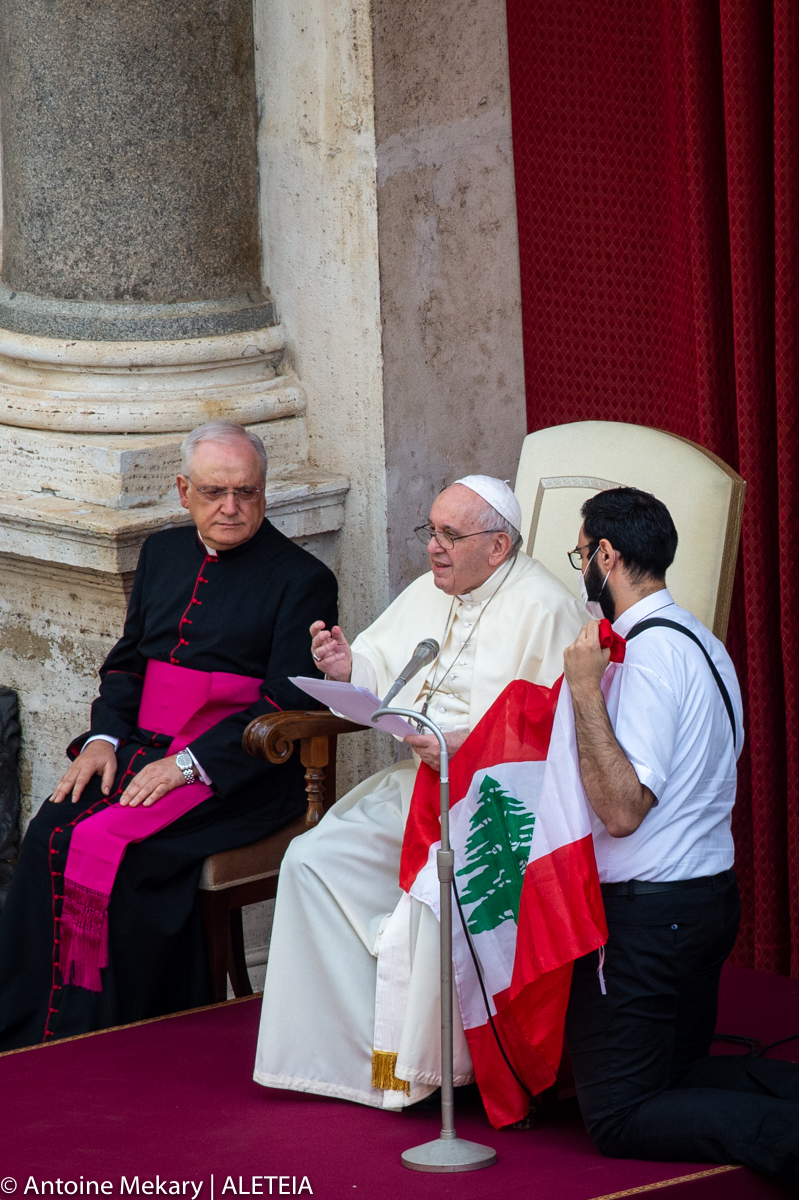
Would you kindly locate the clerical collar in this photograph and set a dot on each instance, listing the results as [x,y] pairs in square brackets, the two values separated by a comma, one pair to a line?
[486,590]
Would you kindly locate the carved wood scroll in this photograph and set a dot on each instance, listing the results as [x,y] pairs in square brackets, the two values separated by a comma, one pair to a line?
[272,737]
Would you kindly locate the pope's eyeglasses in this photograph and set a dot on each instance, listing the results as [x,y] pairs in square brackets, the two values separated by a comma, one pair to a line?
[447,540]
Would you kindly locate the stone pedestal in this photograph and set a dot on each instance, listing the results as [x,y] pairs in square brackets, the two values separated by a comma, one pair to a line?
[132,309]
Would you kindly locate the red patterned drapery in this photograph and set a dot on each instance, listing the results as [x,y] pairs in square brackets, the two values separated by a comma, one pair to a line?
[657,173]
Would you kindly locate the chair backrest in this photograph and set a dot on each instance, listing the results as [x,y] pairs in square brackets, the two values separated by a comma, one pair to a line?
[561,467]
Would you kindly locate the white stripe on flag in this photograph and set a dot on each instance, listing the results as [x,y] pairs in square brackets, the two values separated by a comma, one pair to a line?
[495,948]
[553,792]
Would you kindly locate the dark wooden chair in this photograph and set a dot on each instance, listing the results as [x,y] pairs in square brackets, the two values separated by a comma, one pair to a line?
[247,875]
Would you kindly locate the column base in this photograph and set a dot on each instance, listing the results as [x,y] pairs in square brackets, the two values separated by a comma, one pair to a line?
[102,422]
[96,537]
[122,471]
[153,387]
[95,320]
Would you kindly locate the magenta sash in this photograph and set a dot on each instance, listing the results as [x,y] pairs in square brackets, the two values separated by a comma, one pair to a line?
[175,701]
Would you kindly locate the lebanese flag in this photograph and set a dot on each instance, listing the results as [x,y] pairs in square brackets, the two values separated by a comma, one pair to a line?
[527,882]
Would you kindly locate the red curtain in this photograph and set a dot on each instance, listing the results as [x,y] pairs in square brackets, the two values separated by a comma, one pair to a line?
[657,170]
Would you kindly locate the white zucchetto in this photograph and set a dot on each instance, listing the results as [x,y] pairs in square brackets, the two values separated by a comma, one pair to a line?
[496,493]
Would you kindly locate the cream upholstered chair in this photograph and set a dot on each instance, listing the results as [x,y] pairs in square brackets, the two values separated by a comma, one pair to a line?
[559,468]
[562,466]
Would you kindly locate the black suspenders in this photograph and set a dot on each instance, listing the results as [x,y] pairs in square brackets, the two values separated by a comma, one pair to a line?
[651,622]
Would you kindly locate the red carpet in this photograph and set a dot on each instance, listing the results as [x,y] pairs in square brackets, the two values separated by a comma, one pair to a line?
[173,1100]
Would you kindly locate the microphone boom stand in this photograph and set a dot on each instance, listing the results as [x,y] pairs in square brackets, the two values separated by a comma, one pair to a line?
[449,1152]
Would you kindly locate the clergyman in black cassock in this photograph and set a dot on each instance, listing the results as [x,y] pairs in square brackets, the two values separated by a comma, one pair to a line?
[244,611]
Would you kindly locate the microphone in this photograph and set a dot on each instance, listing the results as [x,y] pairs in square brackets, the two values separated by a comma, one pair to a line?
[424,653]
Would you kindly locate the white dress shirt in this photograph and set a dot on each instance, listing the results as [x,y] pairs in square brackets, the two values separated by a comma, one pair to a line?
[670,720]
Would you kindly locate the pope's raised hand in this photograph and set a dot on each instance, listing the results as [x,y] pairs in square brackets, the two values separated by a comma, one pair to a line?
[331,652]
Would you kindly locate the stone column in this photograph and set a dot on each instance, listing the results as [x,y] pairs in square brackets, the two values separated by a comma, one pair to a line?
[130,198]
[131,310]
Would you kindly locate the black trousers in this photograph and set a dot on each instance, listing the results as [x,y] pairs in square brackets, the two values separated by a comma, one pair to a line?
[646,1084]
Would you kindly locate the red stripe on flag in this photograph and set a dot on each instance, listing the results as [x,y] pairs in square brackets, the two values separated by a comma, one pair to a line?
[504,1100]
[561,918]
[516,728]
[561,914]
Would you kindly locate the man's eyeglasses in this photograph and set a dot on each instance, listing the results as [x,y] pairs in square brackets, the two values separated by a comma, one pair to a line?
[447,540]
[212,495]
[575,557]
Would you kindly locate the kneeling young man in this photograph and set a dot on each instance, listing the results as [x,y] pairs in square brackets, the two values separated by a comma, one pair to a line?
[351,998]
[658,737]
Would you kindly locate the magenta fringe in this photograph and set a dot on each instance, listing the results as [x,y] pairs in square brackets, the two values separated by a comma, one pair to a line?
[84,936]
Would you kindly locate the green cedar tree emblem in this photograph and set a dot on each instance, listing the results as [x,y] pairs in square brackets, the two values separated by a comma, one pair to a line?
[497,849]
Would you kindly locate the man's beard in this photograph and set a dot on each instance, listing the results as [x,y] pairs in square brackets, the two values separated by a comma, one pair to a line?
[597,589]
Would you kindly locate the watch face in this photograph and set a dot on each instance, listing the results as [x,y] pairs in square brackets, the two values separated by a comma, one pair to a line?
[183,759]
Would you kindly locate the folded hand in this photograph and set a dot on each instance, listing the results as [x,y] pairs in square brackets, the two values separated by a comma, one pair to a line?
[98,758]
[426,745]
[153,782]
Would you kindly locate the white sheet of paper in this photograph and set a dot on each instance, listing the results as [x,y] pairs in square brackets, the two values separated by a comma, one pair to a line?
[355,703]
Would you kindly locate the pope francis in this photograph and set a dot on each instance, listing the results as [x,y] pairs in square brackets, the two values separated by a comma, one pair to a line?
[351,998]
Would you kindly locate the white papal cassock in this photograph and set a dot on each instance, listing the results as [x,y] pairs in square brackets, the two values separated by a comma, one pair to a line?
[353,962]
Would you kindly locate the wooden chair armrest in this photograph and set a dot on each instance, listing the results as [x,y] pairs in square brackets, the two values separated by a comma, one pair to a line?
[272,737]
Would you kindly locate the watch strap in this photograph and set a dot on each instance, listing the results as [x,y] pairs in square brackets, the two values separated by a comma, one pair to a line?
[186,765]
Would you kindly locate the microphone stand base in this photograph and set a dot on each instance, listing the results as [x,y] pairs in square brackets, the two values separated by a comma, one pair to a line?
[449,1156]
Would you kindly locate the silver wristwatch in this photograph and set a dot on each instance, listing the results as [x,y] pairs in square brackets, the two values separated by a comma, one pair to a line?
[186,763]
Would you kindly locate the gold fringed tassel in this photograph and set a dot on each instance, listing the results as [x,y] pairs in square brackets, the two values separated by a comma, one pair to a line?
[383,1066]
